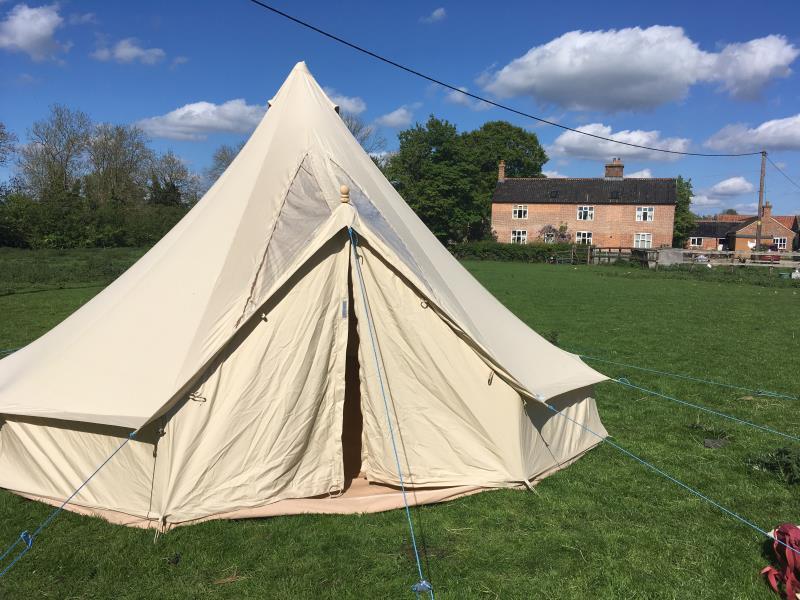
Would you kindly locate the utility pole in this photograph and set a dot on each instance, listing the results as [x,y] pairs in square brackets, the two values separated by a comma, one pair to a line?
[761,199]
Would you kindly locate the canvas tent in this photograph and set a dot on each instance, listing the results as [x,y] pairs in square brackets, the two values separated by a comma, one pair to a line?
[238,349]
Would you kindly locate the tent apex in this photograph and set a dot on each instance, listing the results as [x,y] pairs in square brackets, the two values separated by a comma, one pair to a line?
[302,67]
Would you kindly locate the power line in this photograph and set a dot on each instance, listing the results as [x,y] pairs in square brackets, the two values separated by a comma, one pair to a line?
[393,63]
[792,181]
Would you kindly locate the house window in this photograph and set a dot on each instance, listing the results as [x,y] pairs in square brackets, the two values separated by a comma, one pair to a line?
[583,237]
[614,195]
[780,242]
[695,242]
[586,213]
[645,213]
[554,194]
[519,236]
[549,237]
[520,211]
[643,240]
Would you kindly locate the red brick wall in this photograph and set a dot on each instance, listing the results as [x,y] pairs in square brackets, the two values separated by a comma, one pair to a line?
[614,225]
[770,228]
[709,243]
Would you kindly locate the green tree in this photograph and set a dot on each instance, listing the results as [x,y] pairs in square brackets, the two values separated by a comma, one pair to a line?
[684,218]
[55,156]
[730,211]
[7,143]
[118,161]
[221,159]
[448,178]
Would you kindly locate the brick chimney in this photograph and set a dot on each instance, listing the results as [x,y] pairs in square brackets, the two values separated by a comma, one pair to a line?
[614,169]
[501,171]
[766,210]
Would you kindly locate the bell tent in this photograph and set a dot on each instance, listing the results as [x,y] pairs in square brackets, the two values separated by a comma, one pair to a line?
[269,348]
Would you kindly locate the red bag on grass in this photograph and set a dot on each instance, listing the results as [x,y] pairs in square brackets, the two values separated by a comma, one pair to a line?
[787,574]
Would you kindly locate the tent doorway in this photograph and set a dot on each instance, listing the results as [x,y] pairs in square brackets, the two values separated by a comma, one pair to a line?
[352,418]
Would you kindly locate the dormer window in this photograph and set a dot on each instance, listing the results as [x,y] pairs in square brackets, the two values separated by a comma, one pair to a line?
[553,194]
[614,195]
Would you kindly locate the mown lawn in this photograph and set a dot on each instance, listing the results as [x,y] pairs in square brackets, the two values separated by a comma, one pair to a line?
[604,528]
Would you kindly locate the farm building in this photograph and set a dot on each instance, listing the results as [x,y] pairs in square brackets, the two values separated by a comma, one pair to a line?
[608,212]
[738,232]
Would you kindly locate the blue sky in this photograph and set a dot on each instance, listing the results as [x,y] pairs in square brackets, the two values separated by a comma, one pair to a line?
[701,76]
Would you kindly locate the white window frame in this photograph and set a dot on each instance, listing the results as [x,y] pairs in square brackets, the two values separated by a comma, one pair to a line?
[586,213]
[519,211]
[519,236]
[643,240]
[695,242]
[646,214]
[583,237]
[780,242]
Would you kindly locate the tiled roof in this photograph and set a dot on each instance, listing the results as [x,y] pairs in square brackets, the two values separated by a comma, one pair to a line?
[721,225]
[732,218]
[713,229]
[543,190]
[786,220]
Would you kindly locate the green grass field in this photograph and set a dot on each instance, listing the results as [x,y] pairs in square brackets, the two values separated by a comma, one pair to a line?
[604,528]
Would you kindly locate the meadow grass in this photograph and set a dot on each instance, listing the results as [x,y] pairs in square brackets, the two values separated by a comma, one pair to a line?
[603,528]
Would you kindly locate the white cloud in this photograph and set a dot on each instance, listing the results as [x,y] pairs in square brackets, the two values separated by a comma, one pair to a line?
[179,60]
[129,51]
[643,174]
[195,121]
[400,117]
[703,201]
[350,104]
[553,174]
[744,69]
[577,145]
[733,186]
[32,31]
[721,193]
[82,19]
[635,68]
[454,97]
[437,15]
[747,207]
[777,134]
[25,79]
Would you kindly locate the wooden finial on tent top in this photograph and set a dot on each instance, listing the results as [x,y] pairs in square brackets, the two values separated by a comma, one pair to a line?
[345,191]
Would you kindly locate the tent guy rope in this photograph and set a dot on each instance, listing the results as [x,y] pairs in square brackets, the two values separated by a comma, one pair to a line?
[674,480]
[625,382]
[757,392]
[28,538]
[422,585]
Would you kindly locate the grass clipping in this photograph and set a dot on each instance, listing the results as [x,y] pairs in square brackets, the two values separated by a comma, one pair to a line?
[783,463]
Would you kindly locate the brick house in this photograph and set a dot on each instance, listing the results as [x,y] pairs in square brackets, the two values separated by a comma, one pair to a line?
[738,232]
[607,212]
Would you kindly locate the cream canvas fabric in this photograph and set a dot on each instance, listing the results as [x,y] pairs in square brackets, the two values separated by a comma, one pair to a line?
[228,347]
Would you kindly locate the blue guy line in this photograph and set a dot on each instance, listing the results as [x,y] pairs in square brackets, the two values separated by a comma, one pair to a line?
[765,393]
[422,585]
[28,538]
[676,481]
[626,383]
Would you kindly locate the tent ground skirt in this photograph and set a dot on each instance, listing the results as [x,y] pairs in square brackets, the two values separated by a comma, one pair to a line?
[360,497]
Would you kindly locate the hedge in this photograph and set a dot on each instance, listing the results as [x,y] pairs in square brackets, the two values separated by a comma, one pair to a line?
[508,252]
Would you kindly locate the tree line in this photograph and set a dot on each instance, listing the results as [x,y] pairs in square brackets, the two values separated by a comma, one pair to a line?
[78,183]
